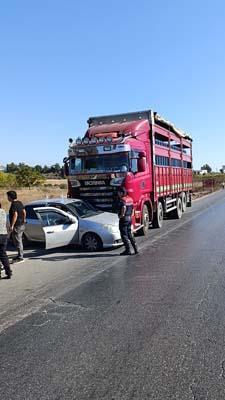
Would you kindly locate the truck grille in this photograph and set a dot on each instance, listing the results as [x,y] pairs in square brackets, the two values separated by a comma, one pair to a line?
[100,196]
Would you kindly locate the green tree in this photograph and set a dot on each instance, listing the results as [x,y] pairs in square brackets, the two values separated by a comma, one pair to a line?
[28,176]
[38,168]
[11,167]
[207,168]
[55,168]
[45,169]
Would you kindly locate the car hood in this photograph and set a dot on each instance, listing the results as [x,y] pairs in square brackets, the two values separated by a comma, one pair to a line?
[104,218]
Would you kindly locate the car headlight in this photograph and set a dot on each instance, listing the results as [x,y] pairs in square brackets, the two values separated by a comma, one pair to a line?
[117,181]
[112,228]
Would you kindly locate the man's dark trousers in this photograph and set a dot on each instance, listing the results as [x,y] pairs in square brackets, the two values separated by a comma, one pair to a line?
[126,235]
[17,237]
[3,256]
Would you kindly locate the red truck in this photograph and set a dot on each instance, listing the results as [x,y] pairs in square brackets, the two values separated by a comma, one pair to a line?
[140,151]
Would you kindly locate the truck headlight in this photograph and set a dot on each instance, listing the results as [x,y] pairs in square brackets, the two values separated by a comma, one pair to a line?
[75,183]
[117,181]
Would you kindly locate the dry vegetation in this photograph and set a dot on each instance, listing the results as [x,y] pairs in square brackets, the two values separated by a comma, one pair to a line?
[52,188]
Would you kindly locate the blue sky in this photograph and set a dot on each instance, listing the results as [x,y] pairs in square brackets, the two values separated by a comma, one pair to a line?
[64,60]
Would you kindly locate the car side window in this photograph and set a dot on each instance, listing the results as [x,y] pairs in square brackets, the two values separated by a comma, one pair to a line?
[52,218]
[30,213]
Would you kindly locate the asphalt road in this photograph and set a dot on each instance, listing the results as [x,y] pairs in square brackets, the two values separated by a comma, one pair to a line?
[82,326]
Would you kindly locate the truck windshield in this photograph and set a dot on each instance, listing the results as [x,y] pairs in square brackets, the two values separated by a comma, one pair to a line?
[118,162]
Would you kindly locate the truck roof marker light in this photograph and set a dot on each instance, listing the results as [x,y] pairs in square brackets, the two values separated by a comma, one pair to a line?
[93,140]
[101,140]
[78,141]
[85,140]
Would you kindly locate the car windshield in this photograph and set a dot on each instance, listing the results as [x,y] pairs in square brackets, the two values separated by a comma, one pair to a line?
[82,209]
[118,162]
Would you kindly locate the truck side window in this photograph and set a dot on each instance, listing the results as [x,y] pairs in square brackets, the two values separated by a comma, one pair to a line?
[134,161]
[134,165]
[76,164]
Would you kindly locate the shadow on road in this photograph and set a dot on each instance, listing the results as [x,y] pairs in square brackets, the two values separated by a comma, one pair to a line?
[38,252]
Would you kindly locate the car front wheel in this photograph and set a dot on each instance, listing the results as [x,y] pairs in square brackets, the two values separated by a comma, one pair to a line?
[91,242]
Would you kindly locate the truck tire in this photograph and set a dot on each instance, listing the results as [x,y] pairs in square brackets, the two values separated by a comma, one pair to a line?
[158,216]
[177,214]
[145,221]
[189,200]
[184,202]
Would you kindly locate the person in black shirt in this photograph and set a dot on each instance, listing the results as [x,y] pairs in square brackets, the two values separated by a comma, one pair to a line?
[17,218]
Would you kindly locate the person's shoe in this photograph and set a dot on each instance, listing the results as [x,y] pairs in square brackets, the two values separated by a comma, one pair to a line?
[17,260]
[126,253]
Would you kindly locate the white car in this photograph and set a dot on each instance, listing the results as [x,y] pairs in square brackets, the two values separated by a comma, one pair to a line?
[60,222]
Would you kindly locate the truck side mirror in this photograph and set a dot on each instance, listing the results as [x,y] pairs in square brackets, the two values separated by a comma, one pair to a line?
[66,169]
[142,154]
[142,164]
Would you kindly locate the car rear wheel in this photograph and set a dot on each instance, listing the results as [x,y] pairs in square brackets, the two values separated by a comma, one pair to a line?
[91,242]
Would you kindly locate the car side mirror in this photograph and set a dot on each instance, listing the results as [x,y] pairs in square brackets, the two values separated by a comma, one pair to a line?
[72,219]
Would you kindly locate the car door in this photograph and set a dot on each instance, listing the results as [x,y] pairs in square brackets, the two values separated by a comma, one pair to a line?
[33,227]
[60,228]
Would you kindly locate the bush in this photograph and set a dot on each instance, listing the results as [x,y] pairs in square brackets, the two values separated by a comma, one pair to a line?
[27,177]
[7,180]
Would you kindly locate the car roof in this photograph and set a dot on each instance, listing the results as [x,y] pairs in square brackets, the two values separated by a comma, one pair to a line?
[61,200]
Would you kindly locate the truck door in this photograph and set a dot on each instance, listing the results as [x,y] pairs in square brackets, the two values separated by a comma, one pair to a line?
[60,228]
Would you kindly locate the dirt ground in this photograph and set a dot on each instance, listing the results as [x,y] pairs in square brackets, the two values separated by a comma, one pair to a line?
[26,194]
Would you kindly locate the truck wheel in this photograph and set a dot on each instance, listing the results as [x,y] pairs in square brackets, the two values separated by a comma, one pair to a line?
[184,202]
[178,212]
[145,221]
[158,216]
[189,201]
[91,242]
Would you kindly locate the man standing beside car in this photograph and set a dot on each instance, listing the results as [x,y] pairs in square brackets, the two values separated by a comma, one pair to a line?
[17,219]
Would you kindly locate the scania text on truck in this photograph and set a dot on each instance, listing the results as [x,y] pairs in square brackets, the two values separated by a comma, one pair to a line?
[140,151]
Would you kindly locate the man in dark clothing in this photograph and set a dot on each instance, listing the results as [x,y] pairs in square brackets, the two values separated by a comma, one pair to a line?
[17,217]
[125,211]
[3,244]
